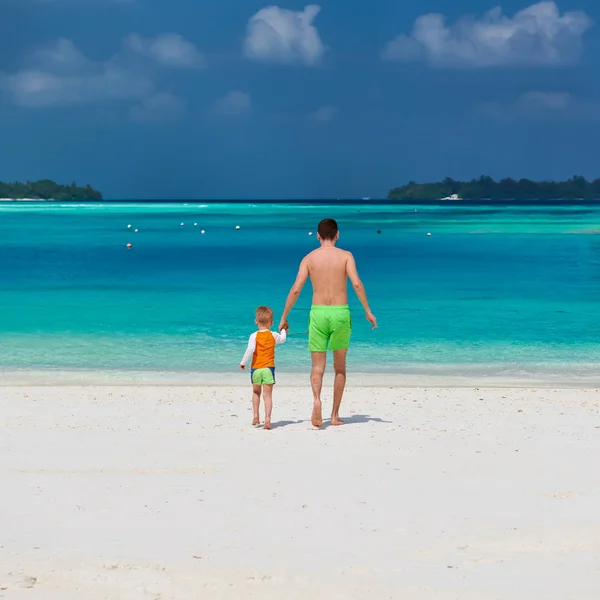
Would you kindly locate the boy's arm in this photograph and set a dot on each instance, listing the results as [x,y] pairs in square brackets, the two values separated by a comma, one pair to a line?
[359,288]
[280,337]
[295,291]
[249,351]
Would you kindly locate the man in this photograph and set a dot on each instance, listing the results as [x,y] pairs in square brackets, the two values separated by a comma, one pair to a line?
[330,324]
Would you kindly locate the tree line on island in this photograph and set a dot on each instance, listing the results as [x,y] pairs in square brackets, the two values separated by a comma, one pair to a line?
[46,189]
[505,189]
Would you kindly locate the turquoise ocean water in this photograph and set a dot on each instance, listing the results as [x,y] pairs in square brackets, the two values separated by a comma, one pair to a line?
[512,289]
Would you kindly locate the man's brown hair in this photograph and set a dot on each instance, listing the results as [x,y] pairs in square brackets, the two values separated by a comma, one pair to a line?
[328,229]
[264,315]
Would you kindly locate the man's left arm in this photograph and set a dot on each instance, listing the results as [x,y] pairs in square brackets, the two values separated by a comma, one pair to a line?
[359,288]
[294,292]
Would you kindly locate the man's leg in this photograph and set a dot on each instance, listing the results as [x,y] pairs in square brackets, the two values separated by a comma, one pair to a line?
[319,360]
[255,403]
[339,366]
[268,398]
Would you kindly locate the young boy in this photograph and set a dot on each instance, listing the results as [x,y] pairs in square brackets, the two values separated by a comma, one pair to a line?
[261,347]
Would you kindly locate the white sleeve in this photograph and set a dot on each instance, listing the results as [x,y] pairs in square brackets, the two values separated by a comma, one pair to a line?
[249,350]
[280,337]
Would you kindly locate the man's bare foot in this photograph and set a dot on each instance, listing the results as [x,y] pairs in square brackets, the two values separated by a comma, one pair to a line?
[267,424]
[317,414]
[256,421]
[336,421]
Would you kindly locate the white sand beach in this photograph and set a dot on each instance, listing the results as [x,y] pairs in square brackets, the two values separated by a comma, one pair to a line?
[160,492]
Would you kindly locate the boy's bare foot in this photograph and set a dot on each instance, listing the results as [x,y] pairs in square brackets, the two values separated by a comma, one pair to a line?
[267,424]
[256,421]
[317,414]
[336,421]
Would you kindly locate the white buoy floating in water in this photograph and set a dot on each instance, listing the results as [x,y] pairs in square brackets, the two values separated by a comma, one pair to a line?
[428,235]
[182,224]
[203,232]
[195,224]
[237,227]
[136,230]
[128,226]
[310,233]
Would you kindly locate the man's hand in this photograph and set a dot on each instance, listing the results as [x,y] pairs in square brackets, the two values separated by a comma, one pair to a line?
[284,325]
[242,367]
[372,319]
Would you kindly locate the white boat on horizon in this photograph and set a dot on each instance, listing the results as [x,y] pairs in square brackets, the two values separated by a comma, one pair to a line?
[452,197]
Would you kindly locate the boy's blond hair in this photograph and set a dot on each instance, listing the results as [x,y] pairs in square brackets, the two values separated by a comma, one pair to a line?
[264,315]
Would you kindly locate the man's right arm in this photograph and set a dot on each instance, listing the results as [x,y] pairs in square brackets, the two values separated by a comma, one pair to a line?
[359,288]
[295,292]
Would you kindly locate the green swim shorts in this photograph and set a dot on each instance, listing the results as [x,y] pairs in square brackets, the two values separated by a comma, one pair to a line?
[329,326]
[263,376]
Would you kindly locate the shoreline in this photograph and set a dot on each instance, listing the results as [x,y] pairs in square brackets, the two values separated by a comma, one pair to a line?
[588,378]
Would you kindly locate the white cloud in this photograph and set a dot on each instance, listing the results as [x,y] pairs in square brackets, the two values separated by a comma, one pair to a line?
[233,104]
[536,36]
[161,108]
[284,36]
[61,75]
[544,101]
[64,55]
[65,77]
[169,50]
[543,105]
[323,114]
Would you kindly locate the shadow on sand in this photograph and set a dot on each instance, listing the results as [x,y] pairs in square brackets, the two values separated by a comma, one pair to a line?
[280,424]
[357,419]
[351,420]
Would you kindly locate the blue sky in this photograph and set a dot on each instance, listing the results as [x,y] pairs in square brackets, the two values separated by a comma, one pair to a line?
[240,98]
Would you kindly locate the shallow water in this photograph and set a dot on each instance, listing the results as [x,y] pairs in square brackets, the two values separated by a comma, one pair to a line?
[514,288]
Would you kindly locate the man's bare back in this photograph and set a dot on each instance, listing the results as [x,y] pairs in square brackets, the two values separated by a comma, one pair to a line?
[330,323]
[327,269]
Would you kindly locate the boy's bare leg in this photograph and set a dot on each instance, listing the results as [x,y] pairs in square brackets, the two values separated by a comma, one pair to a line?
[319,360]
[268,398]
[255,404]
[339,366]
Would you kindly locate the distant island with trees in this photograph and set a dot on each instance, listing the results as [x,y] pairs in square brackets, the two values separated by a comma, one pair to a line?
[485,188]
[482,188]
[46,189]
